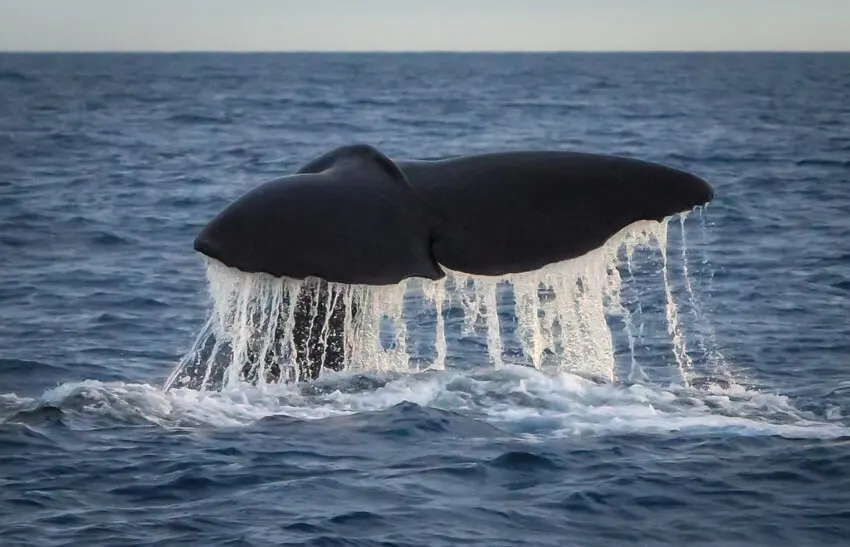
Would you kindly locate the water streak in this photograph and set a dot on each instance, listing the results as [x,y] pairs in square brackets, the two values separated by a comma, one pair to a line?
[562,313]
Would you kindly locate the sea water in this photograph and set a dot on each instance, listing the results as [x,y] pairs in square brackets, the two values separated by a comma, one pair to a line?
[724,420]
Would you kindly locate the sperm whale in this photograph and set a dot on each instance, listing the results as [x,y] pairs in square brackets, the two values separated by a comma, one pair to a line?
[355,216]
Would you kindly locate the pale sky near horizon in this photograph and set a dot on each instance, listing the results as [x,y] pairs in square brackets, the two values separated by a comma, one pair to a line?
[551,25]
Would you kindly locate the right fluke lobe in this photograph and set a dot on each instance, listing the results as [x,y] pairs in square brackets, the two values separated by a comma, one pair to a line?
[513,212]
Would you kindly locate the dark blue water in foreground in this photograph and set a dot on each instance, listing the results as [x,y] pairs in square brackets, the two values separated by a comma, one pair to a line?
[110,164]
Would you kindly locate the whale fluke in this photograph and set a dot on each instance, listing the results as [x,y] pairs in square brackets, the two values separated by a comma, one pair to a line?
[355,216]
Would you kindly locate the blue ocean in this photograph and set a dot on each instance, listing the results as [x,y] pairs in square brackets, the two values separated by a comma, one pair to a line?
[726,419]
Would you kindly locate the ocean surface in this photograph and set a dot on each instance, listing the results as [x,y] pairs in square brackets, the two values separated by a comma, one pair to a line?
[110,164]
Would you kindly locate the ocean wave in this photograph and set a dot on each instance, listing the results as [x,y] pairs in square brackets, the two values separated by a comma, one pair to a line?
[824,162]
[516,402]
[199,119]
[15,76]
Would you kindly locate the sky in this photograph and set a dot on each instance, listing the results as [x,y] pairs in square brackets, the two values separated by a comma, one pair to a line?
[416,25]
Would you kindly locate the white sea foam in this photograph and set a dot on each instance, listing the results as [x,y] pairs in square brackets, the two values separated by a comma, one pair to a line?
[521,401]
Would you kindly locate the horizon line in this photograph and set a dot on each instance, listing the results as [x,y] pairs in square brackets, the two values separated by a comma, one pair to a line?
[413,51]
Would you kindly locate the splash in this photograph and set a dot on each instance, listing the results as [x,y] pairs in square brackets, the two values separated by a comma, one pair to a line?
[520,401]
[257,325]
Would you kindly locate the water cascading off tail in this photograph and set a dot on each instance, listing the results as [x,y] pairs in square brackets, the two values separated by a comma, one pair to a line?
[560,314]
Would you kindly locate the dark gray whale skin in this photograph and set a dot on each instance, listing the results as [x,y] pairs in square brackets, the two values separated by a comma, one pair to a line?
[501,213]
[355,216]
[348,217]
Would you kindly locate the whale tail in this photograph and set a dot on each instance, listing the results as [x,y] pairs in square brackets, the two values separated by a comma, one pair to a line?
[356,217]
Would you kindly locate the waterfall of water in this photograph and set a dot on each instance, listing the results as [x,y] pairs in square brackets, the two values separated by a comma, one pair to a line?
[561,314]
